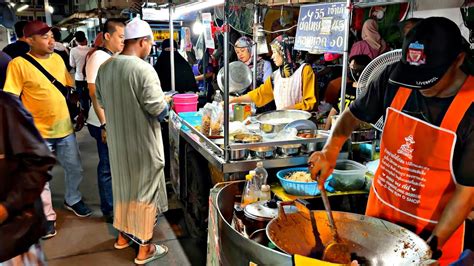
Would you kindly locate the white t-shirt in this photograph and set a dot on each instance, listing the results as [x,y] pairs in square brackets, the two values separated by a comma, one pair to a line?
[92,67]
[77,58]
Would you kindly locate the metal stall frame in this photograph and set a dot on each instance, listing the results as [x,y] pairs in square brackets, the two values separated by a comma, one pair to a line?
[221,157]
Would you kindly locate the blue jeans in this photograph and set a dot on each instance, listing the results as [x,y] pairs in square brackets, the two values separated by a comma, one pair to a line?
[104,176]
[67,154]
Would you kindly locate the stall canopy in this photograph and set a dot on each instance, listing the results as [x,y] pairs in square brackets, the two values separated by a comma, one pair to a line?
[304,2]
[77,18]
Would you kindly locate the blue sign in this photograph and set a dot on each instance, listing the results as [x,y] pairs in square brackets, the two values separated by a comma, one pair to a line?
[321,28]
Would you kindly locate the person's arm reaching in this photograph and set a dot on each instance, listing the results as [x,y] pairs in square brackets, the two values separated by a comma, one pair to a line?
[152,97]
[322,162]
[454,214]
[260,96]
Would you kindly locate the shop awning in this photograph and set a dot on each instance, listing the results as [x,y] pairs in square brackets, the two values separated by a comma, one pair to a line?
[78,17]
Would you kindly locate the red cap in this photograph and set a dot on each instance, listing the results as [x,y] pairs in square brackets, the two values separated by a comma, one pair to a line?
[36,27]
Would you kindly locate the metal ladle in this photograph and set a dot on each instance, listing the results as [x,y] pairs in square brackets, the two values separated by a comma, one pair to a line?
[335,251]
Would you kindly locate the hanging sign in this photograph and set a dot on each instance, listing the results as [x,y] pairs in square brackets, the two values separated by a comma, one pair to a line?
[206,22]
[321,28]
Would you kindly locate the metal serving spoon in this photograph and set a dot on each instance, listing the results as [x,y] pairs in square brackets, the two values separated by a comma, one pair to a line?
[336,251]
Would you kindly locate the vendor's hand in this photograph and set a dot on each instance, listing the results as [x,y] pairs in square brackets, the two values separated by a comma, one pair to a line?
[321,164]
[103,134]
[433,244]
[3,214]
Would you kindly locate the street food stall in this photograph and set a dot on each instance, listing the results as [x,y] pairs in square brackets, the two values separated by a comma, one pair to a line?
[200,160]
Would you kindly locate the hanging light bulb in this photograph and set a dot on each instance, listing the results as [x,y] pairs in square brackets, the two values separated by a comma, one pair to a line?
[198,28]
[261,40]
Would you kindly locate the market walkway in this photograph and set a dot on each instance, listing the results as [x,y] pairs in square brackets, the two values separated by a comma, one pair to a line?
[89,241]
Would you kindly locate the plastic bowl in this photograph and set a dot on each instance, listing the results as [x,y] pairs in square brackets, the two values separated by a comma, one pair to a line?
[185,107]
[185,98]
[300,188]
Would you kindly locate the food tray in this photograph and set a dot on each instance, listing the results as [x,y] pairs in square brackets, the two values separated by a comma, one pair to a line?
[300,188]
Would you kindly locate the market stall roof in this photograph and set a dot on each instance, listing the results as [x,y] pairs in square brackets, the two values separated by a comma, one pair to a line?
[77,18]
[305,2]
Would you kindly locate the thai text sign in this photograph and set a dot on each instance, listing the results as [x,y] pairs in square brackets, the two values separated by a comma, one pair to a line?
[321,28]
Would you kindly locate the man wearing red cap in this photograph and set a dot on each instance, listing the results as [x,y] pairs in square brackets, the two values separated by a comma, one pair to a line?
[425,180]
[50,113]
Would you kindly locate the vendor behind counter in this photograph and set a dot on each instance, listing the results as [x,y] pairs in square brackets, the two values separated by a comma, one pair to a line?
[291,86]
[357,64]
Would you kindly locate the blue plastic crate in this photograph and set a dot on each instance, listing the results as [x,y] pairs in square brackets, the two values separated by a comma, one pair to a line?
[193,118]
[300,188]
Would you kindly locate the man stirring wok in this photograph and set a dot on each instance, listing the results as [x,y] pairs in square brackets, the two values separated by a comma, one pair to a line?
[425,179]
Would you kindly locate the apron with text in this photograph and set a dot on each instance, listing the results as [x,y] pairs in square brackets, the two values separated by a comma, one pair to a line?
[415,179]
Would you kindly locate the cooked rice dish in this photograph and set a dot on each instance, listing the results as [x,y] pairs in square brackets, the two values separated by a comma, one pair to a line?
[300,176]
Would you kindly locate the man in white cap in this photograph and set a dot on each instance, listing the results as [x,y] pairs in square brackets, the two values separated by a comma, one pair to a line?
[129,90]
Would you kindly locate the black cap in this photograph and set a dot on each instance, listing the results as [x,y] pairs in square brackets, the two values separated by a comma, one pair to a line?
[429,49]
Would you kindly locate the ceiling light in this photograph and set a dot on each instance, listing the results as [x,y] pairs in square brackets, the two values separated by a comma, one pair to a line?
[50,9]
[22,8]
[198,28]
[187,8]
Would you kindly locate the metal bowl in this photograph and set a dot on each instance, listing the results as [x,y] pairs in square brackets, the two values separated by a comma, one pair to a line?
[235,154]
[275,121]
[371,241]
[238,154]
[310,146]
[247,138]
[289,150]
[263,152]
[240,77]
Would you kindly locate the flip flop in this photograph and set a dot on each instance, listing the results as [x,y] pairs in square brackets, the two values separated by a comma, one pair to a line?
[117,246]
[156,255]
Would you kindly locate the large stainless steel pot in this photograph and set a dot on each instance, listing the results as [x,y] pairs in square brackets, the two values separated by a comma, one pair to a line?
[275,121]
[233,248]
[371,241]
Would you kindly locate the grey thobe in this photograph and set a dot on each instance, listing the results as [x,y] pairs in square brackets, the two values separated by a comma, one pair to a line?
[129,90]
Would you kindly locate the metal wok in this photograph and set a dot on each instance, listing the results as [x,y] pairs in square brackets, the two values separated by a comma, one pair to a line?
[240,77]
[275,121]
[371,241]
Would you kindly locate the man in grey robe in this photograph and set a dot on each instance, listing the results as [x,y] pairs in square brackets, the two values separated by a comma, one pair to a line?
[129,90]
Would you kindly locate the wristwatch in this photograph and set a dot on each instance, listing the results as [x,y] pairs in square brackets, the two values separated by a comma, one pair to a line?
[102,126]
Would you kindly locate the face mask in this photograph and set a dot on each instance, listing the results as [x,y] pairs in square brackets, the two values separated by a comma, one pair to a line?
[355,74]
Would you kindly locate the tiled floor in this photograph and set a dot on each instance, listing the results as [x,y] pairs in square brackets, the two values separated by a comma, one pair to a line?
[89,241]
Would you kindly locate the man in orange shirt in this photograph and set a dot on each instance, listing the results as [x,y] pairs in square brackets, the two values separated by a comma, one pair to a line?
[50,114]
[425,180]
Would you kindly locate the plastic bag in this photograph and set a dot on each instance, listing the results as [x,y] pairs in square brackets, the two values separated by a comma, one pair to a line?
[206,120]
[212,119]
[217,119]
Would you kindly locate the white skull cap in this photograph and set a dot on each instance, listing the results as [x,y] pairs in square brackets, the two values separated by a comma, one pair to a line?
[137,28]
